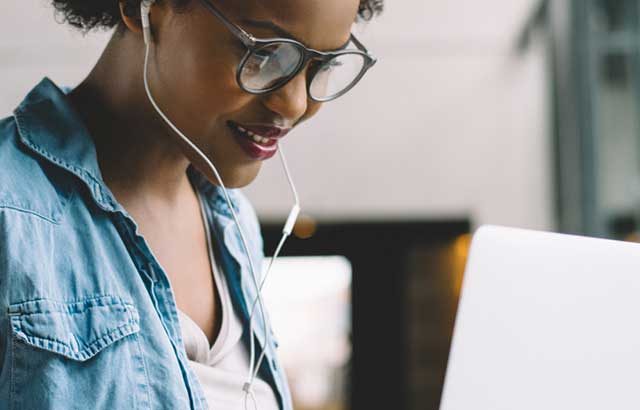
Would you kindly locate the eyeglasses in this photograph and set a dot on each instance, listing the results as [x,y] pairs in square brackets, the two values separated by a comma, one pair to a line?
[269,64]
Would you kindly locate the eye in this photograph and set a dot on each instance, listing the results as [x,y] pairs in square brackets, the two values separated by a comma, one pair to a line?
[262,53]
[329,65]
[258,59]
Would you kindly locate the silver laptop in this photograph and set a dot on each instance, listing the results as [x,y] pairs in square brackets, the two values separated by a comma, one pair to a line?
[546,322]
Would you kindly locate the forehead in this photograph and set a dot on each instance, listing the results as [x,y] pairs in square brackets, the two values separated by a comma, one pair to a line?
[320,24]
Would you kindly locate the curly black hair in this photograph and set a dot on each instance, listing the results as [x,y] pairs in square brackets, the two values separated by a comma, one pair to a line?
[87,15]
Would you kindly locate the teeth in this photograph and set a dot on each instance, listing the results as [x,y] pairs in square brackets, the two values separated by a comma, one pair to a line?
[260,139]
[257,138]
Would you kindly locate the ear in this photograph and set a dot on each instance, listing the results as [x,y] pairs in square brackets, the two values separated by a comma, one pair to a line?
[130,15]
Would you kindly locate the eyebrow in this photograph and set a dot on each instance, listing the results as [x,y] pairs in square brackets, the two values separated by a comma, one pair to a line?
[269,25]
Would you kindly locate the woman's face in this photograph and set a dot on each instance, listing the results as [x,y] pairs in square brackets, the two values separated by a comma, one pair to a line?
[192,72]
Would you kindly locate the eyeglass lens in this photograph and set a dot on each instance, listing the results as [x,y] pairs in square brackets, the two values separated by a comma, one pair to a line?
[336,75]
[270,66]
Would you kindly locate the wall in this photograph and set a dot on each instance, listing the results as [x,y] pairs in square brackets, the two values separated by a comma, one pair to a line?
[449,123]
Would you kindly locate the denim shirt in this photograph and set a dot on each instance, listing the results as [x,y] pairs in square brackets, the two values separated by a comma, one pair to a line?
[88,319]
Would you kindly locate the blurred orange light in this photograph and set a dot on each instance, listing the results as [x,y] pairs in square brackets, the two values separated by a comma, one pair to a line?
[461,246]
[632,237]
[305,227]
[460,252]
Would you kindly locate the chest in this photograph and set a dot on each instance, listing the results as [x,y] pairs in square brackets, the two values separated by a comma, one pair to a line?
[183,252]
[194,287]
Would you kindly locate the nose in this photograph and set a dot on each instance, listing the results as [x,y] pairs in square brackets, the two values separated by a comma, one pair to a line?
[290,101]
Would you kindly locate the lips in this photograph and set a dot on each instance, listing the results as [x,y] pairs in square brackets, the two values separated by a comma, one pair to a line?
[258,141]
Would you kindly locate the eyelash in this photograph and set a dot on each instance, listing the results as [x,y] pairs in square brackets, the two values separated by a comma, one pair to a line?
[330,64]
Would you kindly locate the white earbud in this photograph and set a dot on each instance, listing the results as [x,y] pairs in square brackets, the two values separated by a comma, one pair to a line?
[145,9]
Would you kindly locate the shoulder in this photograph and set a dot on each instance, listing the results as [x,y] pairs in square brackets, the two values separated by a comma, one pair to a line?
[29,183]
[31,203]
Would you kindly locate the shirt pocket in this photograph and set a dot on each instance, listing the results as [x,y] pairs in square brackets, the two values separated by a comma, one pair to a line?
[80,354]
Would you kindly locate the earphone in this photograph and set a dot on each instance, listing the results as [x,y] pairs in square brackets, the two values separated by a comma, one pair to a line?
[254,366]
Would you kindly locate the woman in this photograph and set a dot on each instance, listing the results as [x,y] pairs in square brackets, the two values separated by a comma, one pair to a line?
[124,280]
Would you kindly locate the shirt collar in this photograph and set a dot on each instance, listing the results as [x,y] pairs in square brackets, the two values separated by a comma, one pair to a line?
[53,129]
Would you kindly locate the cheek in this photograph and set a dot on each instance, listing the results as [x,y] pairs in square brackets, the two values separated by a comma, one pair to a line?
[206,79]
[199,91]
[200,72]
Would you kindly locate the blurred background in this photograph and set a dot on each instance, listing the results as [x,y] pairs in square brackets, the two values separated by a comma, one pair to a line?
[514,112]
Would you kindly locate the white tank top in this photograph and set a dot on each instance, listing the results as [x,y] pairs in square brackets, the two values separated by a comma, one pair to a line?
[222,368]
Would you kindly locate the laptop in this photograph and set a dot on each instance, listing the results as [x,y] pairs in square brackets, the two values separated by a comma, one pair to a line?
[546,322]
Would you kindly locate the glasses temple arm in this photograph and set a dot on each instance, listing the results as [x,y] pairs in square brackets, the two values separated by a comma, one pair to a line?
[246,38]
[358,43]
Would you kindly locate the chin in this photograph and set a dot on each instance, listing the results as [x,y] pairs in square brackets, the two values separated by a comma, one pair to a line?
[241,177]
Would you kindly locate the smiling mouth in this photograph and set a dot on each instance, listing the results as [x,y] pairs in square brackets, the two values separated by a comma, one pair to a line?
[258,139]
[254,145]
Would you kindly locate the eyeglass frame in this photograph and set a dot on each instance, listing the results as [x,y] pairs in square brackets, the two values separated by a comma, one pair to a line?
[253,44]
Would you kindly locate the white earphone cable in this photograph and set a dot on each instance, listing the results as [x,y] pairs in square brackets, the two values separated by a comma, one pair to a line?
[253,366]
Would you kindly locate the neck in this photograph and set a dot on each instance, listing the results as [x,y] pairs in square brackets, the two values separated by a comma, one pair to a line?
[139,157]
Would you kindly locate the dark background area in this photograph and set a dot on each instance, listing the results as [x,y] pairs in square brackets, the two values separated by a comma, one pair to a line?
[404,292]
